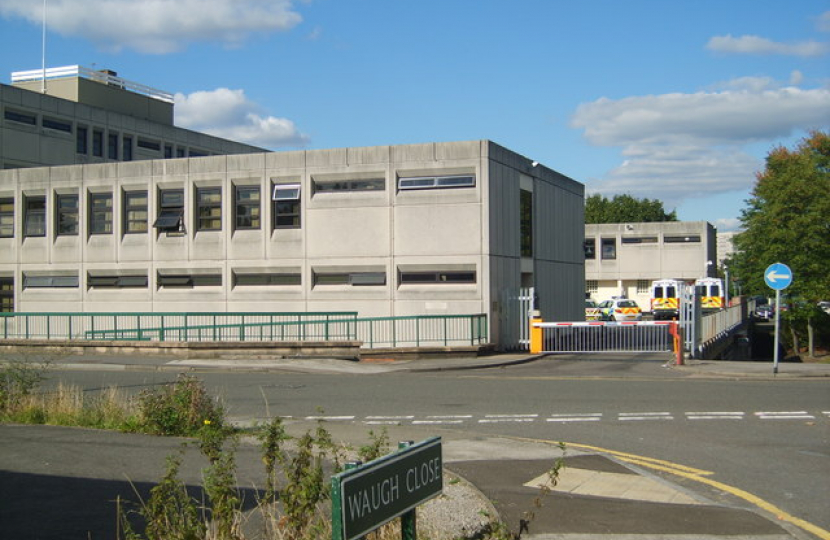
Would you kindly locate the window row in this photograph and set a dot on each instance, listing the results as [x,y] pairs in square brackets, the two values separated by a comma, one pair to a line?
[246,208]
[608,246]
[98,142]
[242,278]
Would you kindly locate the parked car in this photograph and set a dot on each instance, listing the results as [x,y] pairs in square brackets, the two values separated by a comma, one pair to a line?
[763,313]
[824,305]
[591,310]
[620,309]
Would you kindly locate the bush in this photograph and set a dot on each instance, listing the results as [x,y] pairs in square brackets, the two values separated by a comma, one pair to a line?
[181,408]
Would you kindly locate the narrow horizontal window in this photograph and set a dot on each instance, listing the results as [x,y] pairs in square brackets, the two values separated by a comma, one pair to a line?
[117,281]
[639,239]
[149,145]
[267,279]
[20,117]
[436,182]
[438,277]
[189,280]
[54,281]
[57,125]
[355,279]
[691,238]
[335,186]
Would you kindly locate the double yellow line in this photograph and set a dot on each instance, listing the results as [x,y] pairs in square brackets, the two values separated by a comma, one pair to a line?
[701,476]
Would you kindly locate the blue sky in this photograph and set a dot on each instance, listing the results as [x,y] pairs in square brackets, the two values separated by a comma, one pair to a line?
[679,101]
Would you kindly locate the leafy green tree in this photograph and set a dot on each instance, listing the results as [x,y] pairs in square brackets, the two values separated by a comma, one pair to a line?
[625,209]
[787,220]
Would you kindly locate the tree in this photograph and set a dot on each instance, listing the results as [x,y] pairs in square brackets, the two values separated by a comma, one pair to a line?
[625,209]
[787,220]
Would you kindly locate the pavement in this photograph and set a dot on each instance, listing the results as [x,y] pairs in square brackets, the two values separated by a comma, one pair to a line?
[58,483]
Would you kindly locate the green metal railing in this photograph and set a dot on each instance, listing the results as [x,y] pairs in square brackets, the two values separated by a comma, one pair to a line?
[377,332]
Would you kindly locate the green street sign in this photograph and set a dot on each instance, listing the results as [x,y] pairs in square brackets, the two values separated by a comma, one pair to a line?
[368,496]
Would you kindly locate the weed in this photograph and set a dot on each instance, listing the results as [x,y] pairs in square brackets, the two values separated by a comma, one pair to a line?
[181,408]
[18,378]
[272,437]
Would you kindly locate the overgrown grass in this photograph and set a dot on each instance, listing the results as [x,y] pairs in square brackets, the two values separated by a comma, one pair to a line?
[296,501]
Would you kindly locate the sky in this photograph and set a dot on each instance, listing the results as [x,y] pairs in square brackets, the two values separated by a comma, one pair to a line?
[677,101]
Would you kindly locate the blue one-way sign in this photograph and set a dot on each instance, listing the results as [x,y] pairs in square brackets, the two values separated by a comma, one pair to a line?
[778,276]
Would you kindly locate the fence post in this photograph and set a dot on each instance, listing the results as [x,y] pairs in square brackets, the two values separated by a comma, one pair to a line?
[535,333]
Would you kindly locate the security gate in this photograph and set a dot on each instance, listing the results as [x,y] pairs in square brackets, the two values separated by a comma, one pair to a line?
[618,337]
[514,319]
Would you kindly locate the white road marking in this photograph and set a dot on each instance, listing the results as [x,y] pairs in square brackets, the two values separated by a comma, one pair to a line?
[503,418]
[785,415]
[386,420]
[576,417]
[646,416]
[436,422]
[330,418]
[733,415]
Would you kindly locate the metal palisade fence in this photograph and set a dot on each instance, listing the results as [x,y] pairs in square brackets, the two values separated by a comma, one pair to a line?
[408,331]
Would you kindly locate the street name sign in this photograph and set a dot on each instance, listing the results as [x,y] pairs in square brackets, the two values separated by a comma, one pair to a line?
[778,276]
[366,497]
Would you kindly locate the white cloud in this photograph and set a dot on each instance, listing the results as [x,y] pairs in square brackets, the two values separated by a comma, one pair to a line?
[682,146]
[759,45]
[824,21]
[157,26]
[229,114]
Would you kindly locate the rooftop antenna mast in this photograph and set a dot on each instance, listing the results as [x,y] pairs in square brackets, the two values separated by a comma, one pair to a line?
[43,58]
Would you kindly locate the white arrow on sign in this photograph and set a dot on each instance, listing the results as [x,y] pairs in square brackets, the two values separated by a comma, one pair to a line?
[775,276]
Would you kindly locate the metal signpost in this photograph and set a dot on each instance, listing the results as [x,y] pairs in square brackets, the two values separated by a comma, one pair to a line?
[367,496]
[778,277]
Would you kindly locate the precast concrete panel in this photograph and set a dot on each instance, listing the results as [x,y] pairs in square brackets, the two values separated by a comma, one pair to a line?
[348,232]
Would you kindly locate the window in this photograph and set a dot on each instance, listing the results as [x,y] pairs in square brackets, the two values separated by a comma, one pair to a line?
[81,144]
[49,281]
[6,218]
[350,278]
[639,239]
[590,247]
[689,238]
[171,210]
[266,278]
[67,215]
[609,248]
[434,182]
[179,152]
[462,276]
[187,281]
[20,117]
[116,281]
[34,223]
[97,143]
[643,286]
[168,151]
[592,286]
[334,186]
[247,207]
[526,224]
[112,146]
[57,125]
[209,209]
[286,206]
[100,213]
[135,211]
[127,148]
[6,295]
[149,145]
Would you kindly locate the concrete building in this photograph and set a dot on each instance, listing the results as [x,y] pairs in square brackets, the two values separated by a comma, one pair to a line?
[622,259]
[77,115]
[435,228]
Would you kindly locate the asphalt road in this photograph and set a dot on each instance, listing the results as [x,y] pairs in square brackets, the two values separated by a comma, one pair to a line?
[767,437]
